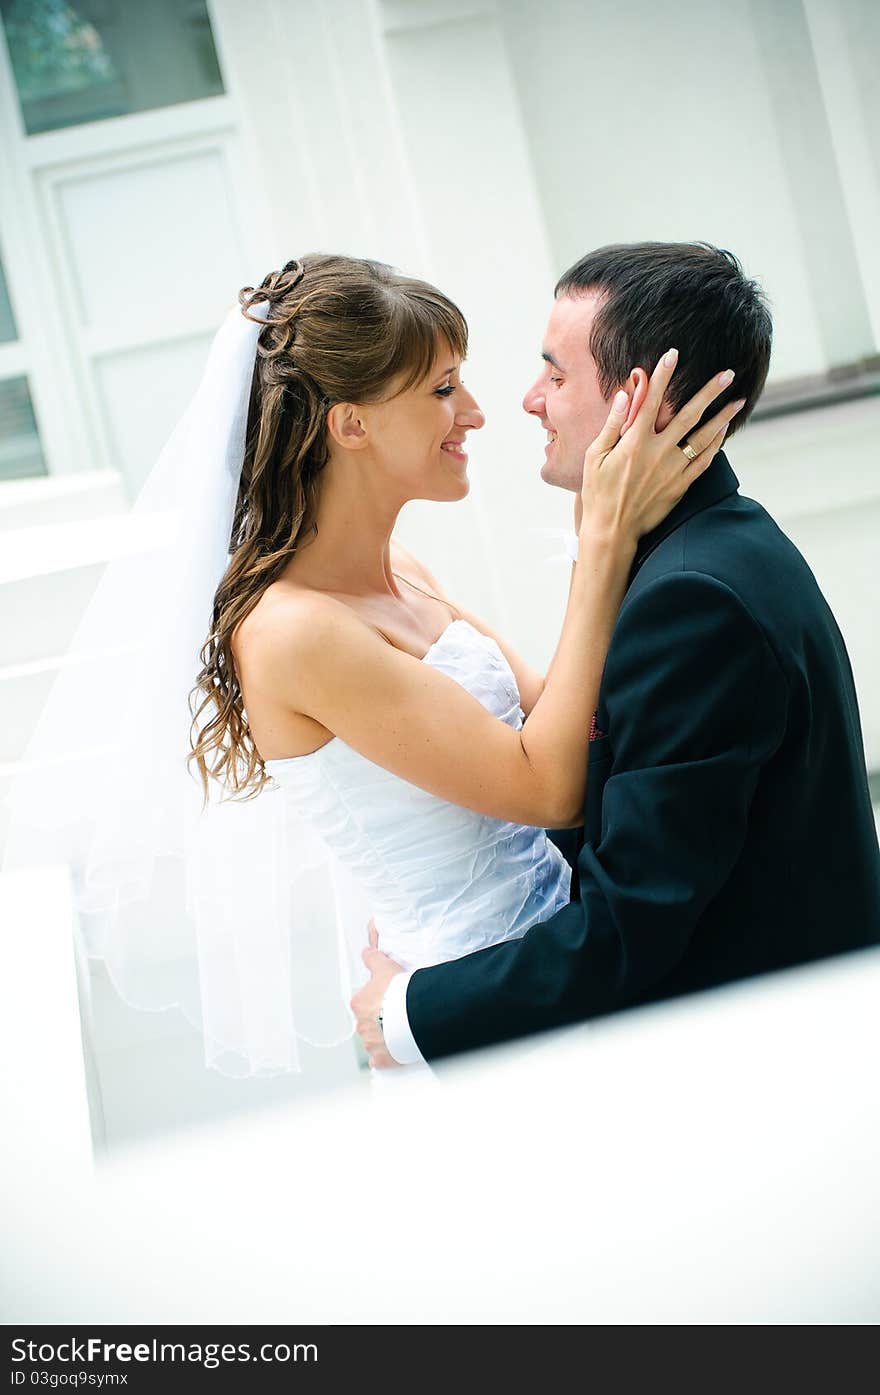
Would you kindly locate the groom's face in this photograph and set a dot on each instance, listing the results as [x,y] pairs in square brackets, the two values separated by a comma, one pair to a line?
[565,397]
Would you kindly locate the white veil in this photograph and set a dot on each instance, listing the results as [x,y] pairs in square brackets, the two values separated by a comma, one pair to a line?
[238,915]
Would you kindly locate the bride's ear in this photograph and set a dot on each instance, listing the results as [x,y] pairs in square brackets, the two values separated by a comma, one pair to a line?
[636,388]
[346,427]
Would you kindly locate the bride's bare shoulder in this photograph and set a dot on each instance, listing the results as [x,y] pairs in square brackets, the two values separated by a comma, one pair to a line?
[287,618]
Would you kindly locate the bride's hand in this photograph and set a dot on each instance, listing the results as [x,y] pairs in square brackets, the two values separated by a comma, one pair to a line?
[632,482]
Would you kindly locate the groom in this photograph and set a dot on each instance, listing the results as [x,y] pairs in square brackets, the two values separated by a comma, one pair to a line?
[728,828]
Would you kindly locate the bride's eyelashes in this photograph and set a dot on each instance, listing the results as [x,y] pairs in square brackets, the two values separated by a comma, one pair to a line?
[444,391]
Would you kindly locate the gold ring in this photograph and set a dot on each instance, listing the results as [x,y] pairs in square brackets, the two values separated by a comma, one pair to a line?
[689,452]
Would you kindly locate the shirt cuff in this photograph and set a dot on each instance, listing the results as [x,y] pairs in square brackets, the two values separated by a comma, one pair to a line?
[395,1023]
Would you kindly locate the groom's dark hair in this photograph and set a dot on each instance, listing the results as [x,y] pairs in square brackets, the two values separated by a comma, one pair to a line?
[689,296]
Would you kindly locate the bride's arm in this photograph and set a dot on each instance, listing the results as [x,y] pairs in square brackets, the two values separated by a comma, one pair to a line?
[411,719]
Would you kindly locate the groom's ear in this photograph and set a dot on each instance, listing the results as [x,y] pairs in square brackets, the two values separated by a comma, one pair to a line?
[636,387]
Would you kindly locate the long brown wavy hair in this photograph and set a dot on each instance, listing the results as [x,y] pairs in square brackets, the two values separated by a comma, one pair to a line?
[338,330]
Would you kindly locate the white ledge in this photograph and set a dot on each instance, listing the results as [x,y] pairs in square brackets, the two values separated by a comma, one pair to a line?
[60,547]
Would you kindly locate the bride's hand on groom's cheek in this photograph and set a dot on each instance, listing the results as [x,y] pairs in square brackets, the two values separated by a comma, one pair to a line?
[367,1002]
[631,482]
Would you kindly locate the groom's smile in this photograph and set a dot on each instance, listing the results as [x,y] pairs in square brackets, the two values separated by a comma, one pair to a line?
[566,397]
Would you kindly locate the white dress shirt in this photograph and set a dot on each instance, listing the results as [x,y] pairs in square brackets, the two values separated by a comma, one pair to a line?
[395,1024]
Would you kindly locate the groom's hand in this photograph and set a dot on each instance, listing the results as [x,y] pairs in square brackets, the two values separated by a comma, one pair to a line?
[367,1002]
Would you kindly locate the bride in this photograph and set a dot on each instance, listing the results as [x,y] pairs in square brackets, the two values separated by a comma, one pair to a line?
[410,738]
[405,760]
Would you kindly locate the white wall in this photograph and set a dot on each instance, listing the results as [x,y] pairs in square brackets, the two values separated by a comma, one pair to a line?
[817,474]
[708,126]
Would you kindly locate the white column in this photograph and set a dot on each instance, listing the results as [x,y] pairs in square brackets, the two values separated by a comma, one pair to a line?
[846,42]
[469,162]
[814,178]
[320,126]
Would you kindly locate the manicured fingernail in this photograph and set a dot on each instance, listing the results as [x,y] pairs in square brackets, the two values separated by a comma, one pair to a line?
[738,405]
[620,401]
[670,357]
[726,378]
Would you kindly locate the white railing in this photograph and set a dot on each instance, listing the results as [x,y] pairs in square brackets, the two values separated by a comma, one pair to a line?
[713,1160]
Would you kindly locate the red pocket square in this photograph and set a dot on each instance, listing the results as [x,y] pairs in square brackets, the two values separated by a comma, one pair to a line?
[595,733]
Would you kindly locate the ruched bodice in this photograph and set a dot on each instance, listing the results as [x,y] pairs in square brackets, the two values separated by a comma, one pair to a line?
[442,881]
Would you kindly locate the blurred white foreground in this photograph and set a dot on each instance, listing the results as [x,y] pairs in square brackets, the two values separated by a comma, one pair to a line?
[711,1161]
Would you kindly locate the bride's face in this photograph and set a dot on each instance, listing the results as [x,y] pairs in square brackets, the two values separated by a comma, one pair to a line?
[418,440]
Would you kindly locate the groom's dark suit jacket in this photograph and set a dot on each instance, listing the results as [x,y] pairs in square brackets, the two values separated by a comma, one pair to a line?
[728,827]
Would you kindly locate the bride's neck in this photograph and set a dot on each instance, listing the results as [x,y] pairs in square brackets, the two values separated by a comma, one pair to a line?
[350,550]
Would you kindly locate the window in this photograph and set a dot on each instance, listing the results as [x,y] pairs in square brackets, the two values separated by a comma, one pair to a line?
[74,183]
[20,450]
[94,59]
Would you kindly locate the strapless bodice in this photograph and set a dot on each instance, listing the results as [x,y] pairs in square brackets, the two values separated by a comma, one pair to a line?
[442,881]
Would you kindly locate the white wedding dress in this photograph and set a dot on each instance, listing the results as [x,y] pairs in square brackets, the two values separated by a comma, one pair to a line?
[441,881]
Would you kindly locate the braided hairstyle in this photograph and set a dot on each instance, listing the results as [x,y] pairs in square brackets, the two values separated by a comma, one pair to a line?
[339,329]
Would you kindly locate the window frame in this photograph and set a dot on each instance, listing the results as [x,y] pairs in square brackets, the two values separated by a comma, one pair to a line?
[52,352]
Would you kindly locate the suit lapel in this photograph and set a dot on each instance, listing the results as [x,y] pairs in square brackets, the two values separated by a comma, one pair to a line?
[715,484]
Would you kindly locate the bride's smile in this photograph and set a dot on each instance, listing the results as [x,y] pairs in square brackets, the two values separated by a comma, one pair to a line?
[411,444]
